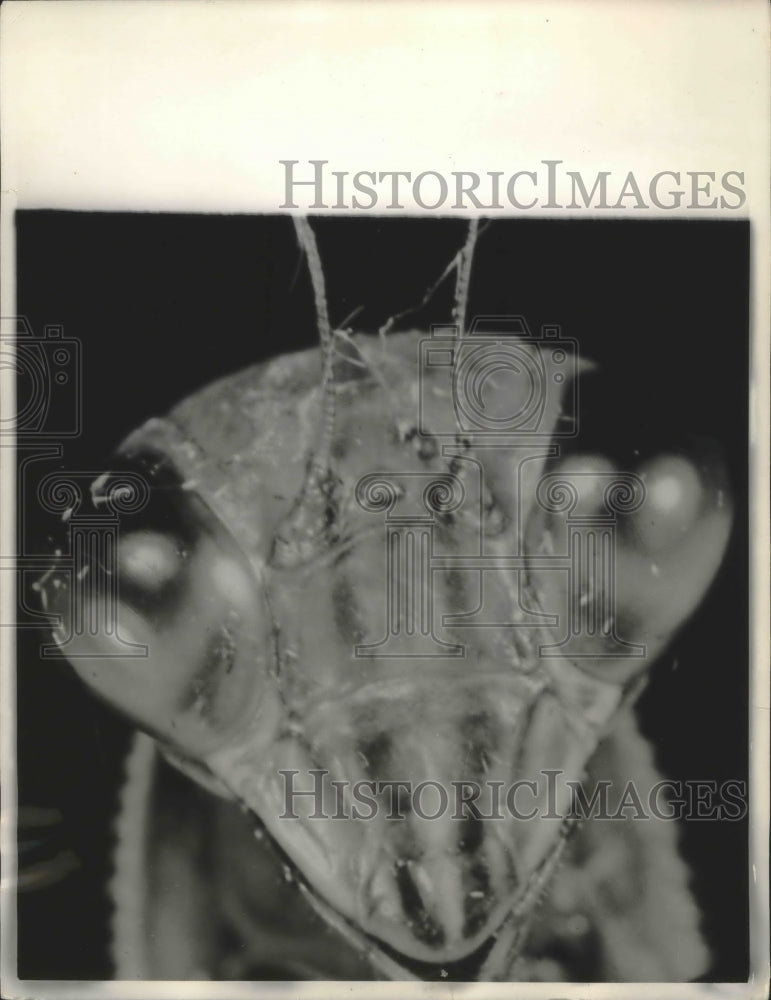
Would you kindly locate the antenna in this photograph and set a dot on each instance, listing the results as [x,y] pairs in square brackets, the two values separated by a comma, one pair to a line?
[304,531]
[307,240]
[464,259]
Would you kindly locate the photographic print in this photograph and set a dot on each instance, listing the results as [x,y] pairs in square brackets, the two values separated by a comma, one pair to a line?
[383,568]
[380,715]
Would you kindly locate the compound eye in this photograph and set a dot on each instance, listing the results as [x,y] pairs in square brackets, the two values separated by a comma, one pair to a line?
[674,499]
[163,616]
[149,561]
[630,554]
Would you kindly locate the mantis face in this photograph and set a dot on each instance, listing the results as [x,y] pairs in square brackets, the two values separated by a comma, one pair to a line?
[317,617]
[287,651]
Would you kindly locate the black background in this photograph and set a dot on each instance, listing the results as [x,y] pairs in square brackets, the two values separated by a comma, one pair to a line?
[162,304]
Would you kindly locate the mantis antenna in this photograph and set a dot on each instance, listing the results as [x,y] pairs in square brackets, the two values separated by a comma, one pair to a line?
[305,530]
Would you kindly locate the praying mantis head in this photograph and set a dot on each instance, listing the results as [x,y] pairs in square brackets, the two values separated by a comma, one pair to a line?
[384,565]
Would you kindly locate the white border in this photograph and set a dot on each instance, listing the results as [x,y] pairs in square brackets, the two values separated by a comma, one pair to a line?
[189,106]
